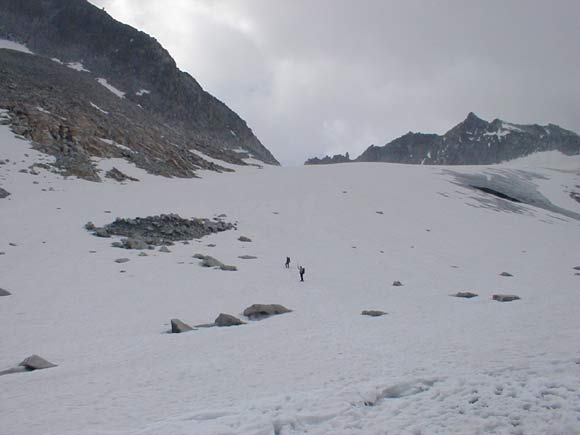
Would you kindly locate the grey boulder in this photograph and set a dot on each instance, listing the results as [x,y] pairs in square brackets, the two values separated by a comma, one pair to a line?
[507,274]
[177,326]
[227,320]
[505,298]
[247,257]
[4,193]
[244,239]
[397,283]
[35,362]
[258,311]
[121,260]
[4,292]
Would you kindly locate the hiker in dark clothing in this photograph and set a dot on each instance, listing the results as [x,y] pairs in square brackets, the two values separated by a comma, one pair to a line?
[287,262]
[301,271]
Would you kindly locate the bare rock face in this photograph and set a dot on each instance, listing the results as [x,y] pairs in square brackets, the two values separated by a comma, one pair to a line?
[227,320]
[258,311]
[505,298]
[35,362]
[177,326]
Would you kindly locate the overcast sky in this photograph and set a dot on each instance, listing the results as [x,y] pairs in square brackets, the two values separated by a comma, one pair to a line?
[315,77]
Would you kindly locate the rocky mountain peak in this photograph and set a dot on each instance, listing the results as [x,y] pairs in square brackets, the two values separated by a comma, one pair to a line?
[107,83]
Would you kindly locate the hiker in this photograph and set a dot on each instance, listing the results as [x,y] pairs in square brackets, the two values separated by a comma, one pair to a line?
[301,271]
[287,263]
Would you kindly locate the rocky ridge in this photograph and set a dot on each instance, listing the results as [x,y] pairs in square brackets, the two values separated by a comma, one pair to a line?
[471,142]
[99,88]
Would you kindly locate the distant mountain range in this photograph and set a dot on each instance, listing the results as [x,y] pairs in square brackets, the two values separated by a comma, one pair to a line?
[97,87]
[471,142]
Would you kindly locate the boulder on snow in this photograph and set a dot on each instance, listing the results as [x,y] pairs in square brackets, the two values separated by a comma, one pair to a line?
[101,232]
[209,261]
[121,260]
[373,313]
[228,267]
[467,295]
[35,362]
[177,326]
[227,320]
[164,249]
[576,268]
[247,257]
[397,283]
[4,292]
[505,274]
[505,298]
[4,193]
[90,226]
[258,311]
[244,239]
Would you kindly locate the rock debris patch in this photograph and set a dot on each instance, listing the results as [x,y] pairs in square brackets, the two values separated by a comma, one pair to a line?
[209,261]
[159,230]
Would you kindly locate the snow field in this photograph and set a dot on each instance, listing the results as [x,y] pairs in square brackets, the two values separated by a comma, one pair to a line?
[433,365]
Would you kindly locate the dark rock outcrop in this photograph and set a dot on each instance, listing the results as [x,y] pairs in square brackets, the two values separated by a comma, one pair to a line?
[159,114]
[4,193]
[4,292]
[117,175]
[326,160]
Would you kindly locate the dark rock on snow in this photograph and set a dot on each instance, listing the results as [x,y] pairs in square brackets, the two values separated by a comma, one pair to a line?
[258,311]
[3,193]
[117,175]
[244,239]
[4,292]
[122,260]
[397,283]
[373,313]
[247,257]
[467,295]
[505,274]
[227,320]
[177,326]
[505,298]
[35,362]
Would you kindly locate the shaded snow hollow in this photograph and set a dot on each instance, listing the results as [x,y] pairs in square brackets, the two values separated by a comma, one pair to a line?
[434,364]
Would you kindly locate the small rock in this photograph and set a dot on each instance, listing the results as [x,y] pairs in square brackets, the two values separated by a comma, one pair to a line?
[397,283]
[4,193]
[227,267]
[35,182]
[576,268]
[107,211]
[505,274]
[4,292]
[12,244]
[35,362]
[247,257]
[227,320]
[143,254]
[211,245]
[373,313]
[258,311]
[90,226]
[467,295]
[164,249]
[92,252]
[122,260]
[379,212]
[244,239]
[199,256]
[505,298]
[209,261]
[177,326]
[117,245]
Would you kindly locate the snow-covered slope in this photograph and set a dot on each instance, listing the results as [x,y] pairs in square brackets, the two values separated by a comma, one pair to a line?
[434,365]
